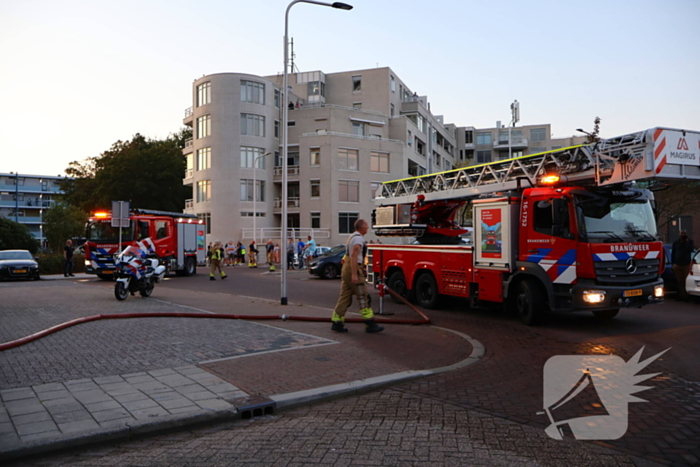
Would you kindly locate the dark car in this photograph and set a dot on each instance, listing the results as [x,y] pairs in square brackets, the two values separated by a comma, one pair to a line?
[670,282]
[18,264]
[328,265]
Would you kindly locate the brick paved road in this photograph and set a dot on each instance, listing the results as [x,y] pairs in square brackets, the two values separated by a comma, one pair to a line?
[387,428]
[113,347]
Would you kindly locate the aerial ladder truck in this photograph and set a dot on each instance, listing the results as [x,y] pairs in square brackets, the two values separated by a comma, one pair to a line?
[571,229]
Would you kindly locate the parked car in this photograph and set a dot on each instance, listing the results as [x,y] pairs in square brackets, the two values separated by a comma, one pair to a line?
[670,282]
[692,283]
[18,264]
[329,264]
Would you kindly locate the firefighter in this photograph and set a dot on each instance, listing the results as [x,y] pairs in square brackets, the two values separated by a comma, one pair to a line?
[217,255]
[353,276]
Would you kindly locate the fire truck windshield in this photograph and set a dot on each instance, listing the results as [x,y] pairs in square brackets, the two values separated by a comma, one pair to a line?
[102,231]
[614,220]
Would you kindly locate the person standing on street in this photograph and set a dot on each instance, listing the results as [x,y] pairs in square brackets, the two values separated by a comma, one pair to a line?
[230,256]
[217,255]
[68,257]
[269,249]
[681,255]
[353,282]
[253,255]
[300,251]
[290,253]
[310,250]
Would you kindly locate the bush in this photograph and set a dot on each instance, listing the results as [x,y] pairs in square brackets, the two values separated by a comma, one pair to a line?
[53,263]
[15,236]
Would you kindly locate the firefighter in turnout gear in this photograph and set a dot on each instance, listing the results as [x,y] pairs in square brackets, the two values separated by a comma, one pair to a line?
[353,282]
[217,255]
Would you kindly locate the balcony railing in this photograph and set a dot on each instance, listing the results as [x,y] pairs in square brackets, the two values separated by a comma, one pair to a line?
[188,142]
[188,112]
[189,203]
[291,203]
[348,135]
[517,142]
[291,170]
[189,173]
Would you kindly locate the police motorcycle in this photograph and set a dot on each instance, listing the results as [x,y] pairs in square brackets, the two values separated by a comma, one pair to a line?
[136,272]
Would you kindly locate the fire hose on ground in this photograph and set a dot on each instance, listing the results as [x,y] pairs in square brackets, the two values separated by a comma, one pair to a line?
[382,288]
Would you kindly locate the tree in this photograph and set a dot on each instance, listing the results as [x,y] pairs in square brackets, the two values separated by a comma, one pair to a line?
[62,222]
[145,171]
[15,236]
[680,198]
[594,136]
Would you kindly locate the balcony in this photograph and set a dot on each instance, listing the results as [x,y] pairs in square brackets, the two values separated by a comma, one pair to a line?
[188,143]
[189,203]
[348,135]
[291,203]
[188,117]
[292,170]
[517,143]
[189,173]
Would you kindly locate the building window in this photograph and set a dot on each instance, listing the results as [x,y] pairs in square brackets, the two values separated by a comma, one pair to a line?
[252,92]
[468,137]
[374,189]
[277,129]
[347,159]
[315,156]
[315,220]
[204,126]
[420,147]
[277,98]
[349,191]
[315,188]
[358,129]
[346,222]
[393,83]
[248,155]
[483,138]
[203,158]
[247,190]
[189,165]
[206,217]
[203,191]
[409,139]
[291,123]
[483,157]
[357,83]
[316,88]
[252,214]
[357,105]
[204,94]
[392,110]
[538,134]
[379,162]
[252,125]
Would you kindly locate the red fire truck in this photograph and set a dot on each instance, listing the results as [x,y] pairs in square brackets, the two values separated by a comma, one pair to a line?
[178,239]
[566,230]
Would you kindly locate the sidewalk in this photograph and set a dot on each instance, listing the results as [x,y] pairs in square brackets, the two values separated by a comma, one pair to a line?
[46,417]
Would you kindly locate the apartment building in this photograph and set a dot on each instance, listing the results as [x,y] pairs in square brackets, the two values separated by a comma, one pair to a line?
[23,198]
[481,145]
[348,132]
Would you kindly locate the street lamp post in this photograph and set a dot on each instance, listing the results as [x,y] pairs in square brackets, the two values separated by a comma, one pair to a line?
[285,117]
[255,194]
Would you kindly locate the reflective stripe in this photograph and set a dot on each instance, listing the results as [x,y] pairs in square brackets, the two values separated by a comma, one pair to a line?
[367,313]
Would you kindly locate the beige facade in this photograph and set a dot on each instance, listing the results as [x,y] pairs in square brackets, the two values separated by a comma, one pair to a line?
[348,133]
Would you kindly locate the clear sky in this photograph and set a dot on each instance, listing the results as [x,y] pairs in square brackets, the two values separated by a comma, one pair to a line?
[76,76]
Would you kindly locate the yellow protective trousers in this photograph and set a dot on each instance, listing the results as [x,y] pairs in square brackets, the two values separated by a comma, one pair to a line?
[348,289]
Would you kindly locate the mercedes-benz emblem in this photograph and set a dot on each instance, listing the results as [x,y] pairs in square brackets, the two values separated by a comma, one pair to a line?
[631,265]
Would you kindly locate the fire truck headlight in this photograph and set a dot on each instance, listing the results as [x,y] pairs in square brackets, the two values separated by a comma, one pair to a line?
[593,296]
[659,291]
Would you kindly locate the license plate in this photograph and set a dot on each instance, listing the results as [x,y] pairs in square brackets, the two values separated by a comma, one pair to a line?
[20,271]
[632,293]
[109,271]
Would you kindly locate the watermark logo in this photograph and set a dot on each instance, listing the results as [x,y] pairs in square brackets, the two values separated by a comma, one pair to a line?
[587,396]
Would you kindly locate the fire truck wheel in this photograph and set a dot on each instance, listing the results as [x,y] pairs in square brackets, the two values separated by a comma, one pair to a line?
[427,294]
[529,303]
[397,283]
[120,292]
[606,314]
[190,267]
